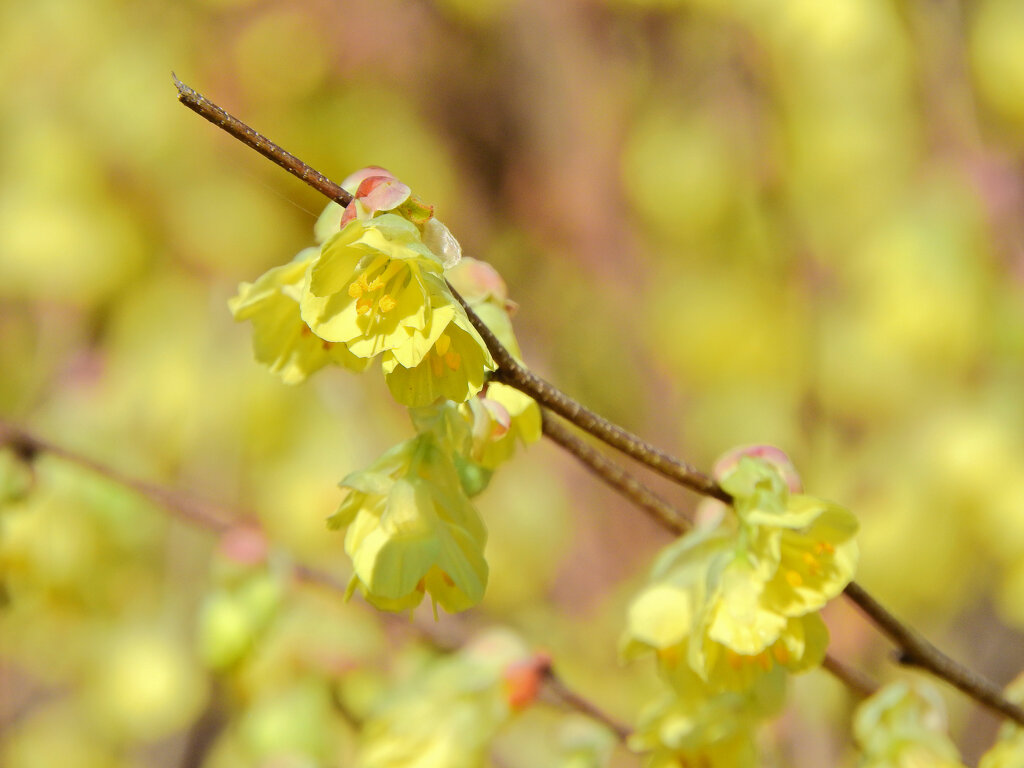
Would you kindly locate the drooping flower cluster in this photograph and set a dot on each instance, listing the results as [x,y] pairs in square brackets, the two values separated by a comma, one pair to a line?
[446,716]
[735,602]
[377,288]
[904,726]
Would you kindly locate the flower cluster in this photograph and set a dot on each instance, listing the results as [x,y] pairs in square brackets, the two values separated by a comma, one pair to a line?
[904,725]
[374,288]
[446,716]
[734,604]
[377,287]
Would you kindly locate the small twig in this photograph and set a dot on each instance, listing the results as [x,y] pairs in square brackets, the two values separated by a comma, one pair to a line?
[222,119]
[859,683]
[615,476]
[201,513]
[515,375]
[916,650]
[572,699]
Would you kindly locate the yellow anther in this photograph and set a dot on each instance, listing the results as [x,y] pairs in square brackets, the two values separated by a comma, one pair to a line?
[447,579]
[669,656]
[823,548]
[387,303]
[453,360]
[364,305]
[794,579]
[358,288]
[374,284]
[443,344]
[764,660]
[734,659]
[436,366]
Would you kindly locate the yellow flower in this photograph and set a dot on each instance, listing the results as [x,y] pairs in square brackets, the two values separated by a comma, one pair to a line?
[412,531]
[367,288]
[281,340]
[904,725]
[447,360]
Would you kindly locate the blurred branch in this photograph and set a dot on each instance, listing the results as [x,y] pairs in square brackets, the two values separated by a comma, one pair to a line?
[573,700]
[859,683]
[914,650]
[201,513]
[218,520]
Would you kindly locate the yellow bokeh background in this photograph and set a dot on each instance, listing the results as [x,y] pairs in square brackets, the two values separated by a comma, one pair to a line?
[794,222]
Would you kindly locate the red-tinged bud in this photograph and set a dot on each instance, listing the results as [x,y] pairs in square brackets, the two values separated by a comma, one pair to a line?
[245,544]
[523,680]
[769,453]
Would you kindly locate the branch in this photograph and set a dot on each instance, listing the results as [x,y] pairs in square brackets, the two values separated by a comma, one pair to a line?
[915,650]
[207,109]
[573,700]
[618,478]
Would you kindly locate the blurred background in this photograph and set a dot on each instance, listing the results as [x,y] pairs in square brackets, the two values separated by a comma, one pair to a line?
[725,221]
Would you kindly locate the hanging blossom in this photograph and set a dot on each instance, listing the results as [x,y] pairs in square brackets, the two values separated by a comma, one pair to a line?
[447,715]
[281,340]
[693,724]
[412,531]
[904,726]
[739,597]
[375,289]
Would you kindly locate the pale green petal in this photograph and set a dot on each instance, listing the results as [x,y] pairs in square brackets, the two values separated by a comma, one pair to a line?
[739,621]
[660,616]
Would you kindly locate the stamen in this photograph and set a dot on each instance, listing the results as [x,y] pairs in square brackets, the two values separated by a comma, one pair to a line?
[794,579]
[387,303]
[442,344]
[436,366]
[447,579]
[364,305]
[453,360]
[781,654]
[823,547]
[734,659]
[357,288]
[764,660]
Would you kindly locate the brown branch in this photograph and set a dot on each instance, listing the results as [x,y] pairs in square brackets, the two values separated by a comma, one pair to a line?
[515,375]
[222,119]
[915,650]
[859,683]
[582,705]
[201,513]
[614,475]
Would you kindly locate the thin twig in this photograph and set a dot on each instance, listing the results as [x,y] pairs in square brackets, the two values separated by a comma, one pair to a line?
[862,685]
[569,697]
[201,513]
[915,650]
[515,375]
[219,117]
[614,475]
